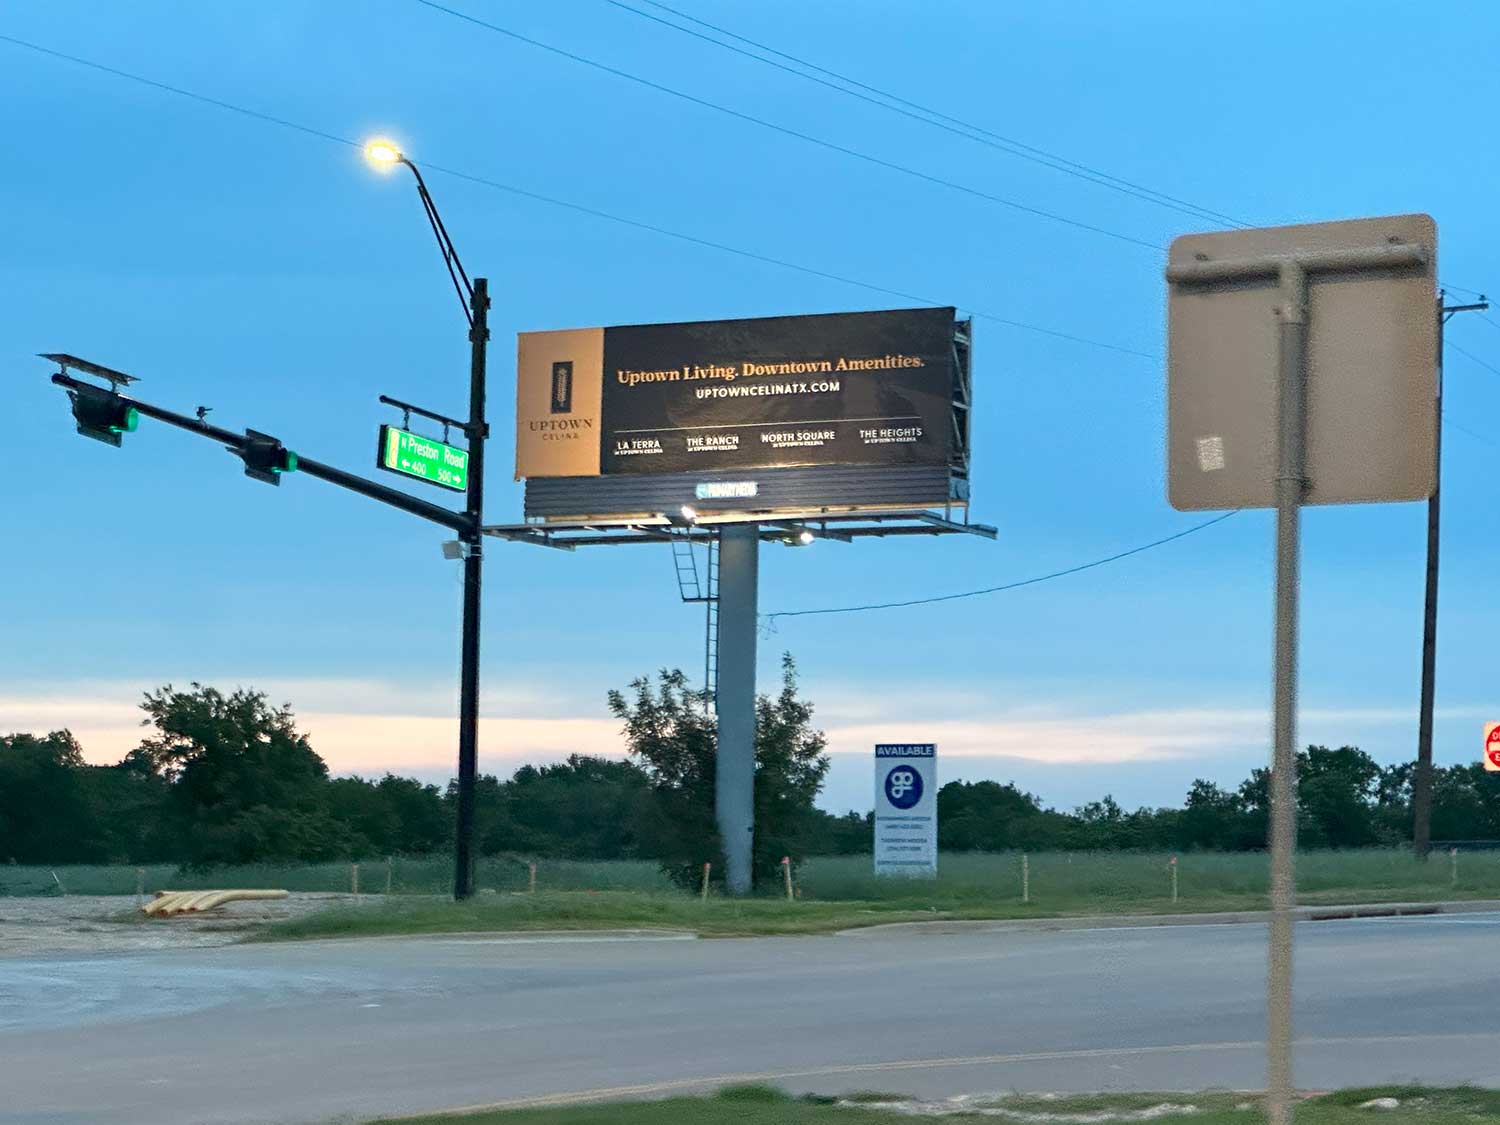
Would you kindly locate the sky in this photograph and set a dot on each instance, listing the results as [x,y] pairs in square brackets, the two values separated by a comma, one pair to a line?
[265,271]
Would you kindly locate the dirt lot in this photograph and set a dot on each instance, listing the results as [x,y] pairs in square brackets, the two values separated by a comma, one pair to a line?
[33,927]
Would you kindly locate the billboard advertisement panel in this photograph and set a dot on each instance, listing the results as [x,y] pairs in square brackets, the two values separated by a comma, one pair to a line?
[873,388]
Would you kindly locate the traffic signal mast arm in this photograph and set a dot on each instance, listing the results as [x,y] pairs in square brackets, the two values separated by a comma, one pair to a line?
[240,443]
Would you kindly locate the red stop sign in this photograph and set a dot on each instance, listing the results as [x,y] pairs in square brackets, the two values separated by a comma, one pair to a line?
[1492,747]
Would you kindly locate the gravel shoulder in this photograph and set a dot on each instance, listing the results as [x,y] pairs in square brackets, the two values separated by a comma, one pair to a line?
[72,924]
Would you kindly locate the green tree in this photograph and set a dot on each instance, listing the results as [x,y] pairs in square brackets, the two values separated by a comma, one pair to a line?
[45,816]
[1216,819]
[1465,803]
[423,823]
[125,805]
[583,808]
[1336,793]
[671,733]
[983,816]
[672,736]
[245,785]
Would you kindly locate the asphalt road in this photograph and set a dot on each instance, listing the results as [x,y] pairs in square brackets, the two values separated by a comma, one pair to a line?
[349,1030]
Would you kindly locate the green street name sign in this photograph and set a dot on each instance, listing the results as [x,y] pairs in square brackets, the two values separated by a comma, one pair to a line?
[413,455]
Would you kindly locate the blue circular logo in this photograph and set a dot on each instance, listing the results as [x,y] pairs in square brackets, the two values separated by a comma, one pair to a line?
[903,787]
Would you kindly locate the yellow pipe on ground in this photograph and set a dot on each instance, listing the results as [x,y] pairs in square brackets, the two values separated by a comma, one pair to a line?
[167,903]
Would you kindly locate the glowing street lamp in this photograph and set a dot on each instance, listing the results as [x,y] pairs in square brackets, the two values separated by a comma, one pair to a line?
[474,299]
[383,154]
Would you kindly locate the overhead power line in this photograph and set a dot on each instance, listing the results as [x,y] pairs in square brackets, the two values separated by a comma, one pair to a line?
[877,96]
[771,617]
[1475,434]
[579,208]
[821,142]
[180,91]
[1461,289]
[1490,367]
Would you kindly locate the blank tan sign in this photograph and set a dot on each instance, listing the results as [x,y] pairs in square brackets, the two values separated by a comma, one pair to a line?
[1371,368]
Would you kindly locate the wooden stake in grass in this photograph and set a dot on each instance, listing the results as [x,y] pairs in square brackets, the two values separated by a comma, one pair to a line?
[1172,863]
[707,867]
[531,878]
[1453,866]
[786,871]
[1025,877]
[387,876]
[354,879]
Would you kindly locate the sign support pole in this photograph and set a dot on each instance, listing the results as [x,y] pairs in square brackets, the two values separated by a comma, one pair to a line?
[1291,486]
[472,538]
[1370,249]
[734,771]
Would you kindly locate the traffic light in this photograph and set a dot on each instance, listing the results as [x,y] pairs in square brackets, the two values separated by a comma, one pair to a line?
[266,458]
[101,414]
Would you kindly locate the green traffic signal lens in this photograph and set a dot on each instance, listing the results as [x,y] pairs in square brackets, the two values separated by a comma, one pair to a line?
[132,420]
[291,462]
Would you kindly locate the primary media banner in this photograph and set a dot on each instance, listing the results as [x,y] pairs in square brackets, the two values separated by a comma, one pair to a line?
[870,388]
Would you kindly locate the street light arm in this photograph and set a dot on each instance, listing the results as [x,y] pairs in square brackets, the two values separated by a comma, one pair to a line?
[456,272]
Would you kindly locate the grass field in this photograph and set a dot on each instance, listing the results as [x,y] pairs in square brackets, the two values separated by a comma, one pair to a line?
[833,892]
[419,875]
[1067,881]
[839,893]
[756,1105]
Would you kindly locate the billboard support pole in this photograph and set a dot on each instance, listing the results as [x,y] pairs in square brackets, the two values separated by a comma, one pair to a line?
[734,768]
[1291,487]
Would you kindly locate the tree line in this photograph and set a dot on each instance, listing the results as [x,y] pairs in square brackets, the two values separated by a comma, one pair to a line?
[228,779]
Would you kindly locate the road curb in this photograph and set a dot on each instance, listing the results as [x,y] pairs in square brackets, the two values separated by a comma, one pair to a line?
[519,937]
[1147,921]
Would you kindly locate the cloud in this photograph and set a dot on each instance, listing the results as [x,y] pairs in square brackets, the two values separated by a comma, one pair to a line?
[428,747]
[1053,743]
[358,726]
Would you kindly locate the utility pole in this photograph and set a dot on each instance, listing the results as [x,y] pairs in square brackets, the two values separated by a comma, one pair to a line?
[1421,786]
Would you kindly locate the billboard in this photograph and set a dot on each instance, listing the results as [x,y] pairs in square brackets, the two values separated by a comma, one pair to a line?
[738,396]
[906,809]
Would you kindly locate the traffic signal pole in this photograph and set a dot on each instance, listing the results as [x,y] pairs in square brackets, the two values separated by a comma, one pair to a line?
[471,537]
[253,447]
[237,443]
[105,414]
